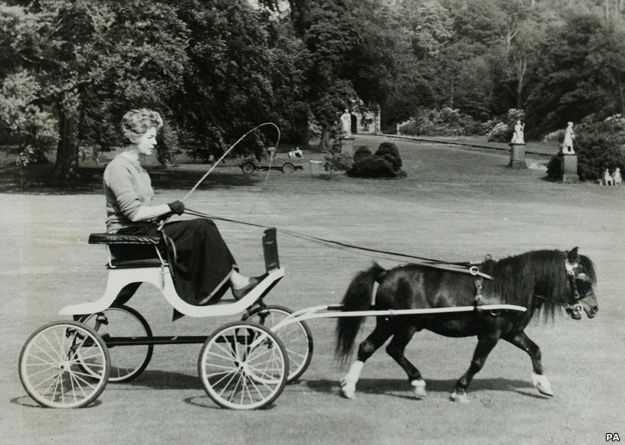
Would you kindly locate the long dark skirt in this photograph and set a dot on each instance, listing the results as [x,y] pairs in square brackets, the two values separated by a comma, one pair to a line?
[200,259]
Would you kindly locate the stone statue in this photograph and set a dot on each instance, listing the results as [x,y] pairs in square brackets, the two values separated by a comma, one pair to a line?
[346,123]
[616,177]
[518,136]
[567,144]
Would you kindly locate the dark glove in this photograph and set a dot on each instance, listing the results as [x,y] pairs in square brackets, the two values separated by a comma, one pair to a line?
[176,207]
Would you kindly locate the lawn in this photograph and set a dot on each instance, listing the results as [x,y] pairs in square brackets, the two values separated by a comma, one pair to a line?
[455,204]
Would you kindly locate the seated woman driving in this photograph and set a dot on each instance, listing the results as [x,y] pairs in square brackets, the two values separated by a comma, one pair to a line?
[204,268]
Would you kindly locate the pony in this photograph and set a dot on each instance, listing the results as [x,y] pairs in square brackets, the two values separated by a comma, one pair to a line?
[541,281]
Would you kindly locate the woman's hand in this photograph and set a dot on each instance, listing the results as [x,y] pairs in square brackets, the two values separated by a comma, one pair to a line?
[177,207]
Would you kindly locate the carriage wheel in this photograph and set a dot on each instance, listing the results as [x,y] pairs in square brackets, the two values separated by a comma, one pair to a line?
[127,362]
[296,337]
[243,366]
[50,370]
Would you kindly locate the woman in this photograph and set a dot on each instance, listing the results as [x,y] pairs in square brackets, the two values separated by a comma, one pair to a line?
[204,267]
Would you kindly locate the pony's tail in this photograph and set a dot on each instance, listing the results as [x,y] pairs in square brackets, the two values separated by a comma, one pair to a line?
[357,298]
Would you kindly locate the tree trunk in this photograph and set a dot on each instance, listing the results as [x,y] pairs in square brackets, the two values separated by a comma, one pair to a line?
[66,166]
[301,125]
[522,69]
[451,93]
[324,141]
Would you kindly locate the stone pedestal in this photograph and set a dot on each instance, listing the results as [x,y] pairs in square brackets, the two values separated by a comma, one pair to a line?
[347,145]
[569,168]
[517,156]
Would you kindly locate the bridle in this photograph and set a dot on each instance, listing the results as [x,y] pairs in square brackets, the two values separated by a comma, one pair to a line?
[575,295]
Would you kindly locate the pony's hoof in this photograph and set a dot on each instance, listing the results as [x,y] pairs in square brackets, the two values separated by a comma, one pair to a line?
[459,397]
[347,391]
[418,388]
[542,385]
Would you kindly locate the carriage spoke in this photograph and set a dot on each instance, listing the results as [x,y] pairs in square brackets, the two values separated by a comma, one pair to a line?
[41,362]
[230,354]
[234,390]
[91,385]
[54,359]
[41,371]
[77,373]
[78,385]
[214,354]
[43,382]
[234,374]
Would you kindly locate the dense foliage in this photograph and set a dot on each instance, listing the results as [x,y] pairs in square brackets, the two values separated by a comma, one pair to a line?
[598,147]
[69,69]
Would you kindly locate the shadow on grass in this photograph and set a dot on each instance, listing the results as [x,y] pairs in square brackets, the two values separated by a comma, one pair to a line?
[166,380]
[27,402]
[399,387]
[37,179]
[206,402]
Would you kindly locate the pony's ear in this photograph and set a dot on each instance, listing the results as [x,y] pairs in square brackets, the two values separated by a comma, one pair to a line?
[572,255]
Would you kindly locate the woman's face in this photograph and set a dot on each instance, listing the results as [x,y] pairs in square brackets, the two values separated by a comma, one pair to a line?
[147,142]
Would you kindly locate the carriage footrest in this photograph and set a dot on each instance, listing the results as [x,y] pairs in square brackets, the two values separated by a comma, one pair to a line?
[270,250]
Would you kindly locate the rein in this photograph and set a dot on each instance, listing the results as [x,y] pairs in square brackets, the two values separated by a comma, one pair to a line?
[461,267]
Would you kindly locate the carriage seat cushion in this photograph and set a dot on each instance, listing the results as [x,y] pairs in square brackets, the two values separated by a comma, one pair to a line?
[114,238]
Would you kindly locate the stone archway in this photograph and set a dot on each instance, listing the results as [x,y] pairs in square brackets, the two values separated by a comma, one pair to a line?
[354,124]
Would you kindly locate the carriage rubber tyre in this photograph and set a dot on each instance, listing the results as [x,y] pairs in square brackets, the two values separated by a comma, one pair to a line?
[243,366]
[248,168]
[288,168]
[127,362]
[296,337]
[49,365]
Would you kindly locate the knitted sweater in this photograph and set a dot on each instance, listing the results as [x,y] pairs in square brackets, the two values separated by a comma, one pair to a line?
[127,186]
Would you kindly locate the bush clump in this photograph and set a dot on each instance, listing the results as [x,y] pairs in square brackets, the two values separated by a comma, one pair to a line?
[598,147]
[501,130]
[361,152]
[443,122]
[385,163]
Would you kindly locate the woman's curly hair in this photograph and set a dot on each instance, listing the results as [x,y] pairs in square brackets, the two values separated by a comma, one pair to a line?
[136,122]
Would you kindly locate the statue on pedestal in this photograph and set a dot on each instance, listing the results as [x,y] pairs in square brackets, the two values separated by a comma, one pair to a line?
[518,136]
[567,144]
[346,123]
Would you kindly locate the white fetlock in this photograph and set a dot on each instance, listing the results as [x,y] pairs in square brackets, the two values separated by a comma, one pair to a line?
[348,390]
[542,384]
[418,388]
[459,397]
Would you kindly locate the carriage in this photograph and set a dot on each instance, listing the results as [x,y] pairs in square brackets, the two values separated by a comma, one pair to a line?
[246,364]
[242,365]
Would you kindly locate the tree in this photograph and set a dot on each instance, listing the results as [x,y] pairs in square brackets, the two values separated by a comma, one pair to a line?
[571,80]
[95,62]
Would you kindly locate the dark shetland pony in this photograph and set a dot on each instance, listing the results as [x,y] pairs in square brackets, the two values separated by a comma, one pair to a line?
[541,280]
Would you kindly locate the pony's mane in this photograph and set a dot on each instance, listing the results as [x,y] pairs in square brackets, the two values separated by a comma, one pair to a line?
[517,279]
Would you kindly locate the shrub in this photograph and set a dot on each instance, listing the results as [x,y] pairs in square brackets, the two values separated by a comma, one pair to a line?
[361,152]
[597,145]
[372,167]
[334,159]
[504,128]
[443,122]
[385,163]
